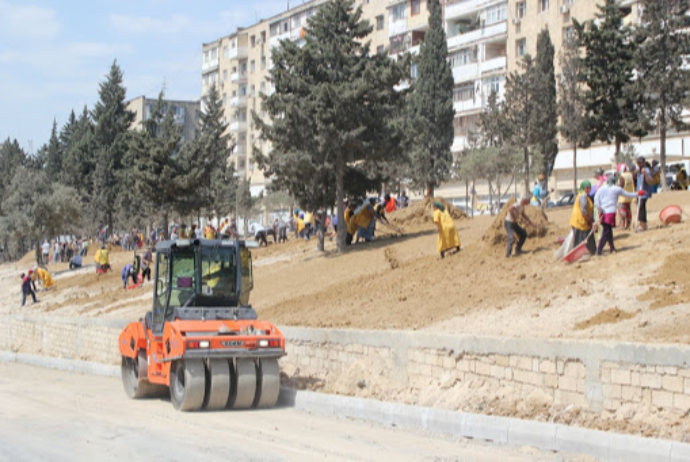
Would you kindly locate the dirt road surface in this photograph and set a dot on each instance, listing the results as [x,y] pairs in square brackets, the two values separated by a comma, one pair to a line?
[55,415]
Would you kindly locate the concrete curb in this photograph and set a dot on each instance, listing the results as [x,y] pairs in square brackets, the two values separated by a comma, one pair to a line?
[505,430]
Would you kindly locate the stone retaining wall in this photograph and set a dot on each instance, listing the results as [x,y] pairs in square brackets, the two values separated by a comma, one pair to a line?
[596,376]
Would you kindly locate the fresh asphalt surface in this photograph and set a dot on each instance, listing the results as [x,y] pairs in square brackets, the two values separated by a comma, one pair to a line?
[53,415]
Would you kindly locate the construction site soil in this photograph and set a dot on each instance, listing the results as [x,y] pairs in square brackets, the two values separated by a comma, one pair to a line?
[638,294]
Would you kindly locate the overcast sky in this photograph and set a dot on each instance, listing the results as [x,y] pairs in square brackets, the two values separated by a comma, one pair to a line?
[53,54]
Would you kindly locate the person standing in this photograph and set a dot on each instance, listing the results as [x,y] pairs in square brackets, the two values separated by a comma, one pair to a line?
[644,183]
[515,212]
[582,218]
[606,200]
[627,182]
[146,261]
[46,251]
[366,221]
[447,233]
[27,289]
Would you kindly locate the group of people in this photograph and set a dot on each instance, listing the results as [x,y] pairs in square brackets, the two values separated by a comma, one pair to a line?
[40,275]
[62,251]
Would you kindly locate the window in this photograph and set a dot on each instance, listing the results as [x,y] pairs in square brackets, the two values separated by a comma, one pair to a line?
[205,56]
[568,33]
[521,47]
[263,63]
[275,29]
[286,27]
[214,77]
[262,88]
[462,57]
[296,21]
[569,2]
[251,90]
[243,90]
[544,4]
[161,288]
[380,49]
[225,52]
[414,73]
[415,6]
[263,37]
[463,92]
[225,74]
[379,22]
[225,99]
[398,12]
[214,54]
[233,44]
[496,14]
[252,41]
[493,84]
[458,124]
[252,67]
[520,10]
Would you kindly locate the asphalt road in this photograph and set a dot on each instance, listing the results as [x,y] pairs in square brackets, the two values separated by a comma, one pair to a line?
[54,415]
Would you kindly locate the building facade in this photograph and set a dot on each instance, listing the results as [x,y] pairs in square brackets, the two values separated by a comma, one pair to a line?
[186,114]
[486,40]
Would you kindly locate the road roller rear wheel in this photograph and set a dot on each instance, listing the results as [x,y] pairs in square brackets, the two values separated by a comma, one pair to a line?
[268,384]
[187,384]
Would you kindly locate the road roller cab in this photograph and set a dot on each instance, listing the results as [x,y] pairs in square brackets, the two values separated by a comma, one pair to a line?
[202,340]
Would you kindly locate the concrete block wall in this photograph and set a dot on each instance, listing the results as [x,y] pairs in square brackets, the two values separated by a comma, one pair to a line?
[597,376]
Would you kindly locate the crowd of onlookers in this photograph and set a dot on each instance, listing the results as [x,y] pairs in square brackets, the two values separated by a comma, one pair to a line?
[57,251]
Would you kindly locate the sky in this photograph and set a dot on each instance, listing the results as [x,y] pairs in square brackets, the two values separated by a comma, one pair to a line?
[54,54]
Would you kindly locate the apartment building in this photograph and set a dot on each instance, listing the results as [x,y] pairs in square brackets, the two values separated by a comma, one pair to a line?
[186,114]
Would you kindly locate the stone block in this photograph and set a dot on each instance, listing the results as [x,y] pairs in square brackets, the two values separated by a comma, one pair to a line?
[560,367]
[522,362]
[547,366]
[482,368]
[574,369]
[497,371]
[635,379]
[425,370]
[611,404]
[647,396]
[662,398]
[684,372]
[669,370]
[567,383]
[612,391]
[686,389]
[681,401]
[568,397]
[605,375]
[672,383]
[535,365]
[509,374]
[651,381]
[551,380]
[633,394]
[620,376]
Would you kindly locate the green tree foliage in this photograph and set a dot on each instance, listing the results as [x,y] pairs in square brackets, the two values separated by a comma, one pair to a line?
[53,154]
[571,102]
[662,76]
[608,71]
[112,120]
[12,157]
[519,107]
[431,108]
[79,145]
[334,104]
[544,117]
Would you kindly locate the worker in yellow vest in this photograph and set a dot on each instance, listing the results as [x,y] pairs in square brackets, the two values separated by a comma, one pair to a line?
[582,219]
[366,221]
[350,223]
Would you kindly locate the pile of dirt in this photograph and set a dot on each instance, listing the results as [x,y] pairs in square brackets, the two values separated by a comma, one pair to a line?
[669,284]
[610,316]
[496,234]
[421,213]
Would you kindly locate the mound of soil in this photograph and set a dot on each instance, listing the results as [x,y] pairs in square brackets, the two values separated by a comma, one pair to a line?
[610,316]
[496,234]
[421,213]
[672,277]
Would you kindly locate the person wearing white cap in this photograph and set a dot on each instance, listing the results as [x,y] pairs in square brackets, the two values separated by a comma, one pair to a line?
[515,212]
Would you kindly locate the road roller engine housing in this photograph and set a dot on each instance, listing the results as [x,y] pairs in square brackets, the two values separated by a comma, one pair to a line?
[202,340]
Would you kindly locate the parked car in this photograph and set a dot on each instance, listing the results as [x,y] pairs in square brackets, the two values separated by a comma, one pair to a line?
[564,200]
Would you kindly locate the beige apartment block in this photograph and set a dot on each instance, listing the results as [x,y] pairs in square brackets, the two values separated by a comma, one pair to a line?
[186,114]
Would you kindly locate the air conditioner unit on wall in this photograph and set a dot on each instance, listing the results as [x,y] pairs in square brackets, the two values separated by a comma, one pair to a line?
[565,9]
[516,21]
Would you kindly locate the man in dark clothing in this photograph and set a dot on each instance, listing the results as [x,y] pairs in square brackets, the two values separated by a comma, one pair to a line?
[27,288]
[146,265]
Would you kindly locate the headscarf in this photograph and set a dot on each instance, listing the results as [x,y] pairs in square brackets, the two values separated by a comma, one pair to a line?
[584,185]
[439,206]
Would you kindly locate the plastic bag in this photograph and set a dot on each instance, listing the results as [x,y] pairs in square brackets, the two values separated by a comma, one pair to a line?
[566,247]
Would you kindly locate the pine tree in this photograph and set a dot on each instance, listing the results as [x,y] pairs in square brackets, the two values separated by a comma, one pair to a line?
[608,71]
[112,120]
[544,117]
[571,102]
[12,157]
[431,108]
[334,104]
[662,76]
[53,154]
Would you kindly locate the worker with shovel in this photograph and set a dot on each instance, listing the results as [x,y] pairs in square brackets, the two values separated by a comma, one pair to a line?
[515,212]
[582,219]
[448,239]
[605,200]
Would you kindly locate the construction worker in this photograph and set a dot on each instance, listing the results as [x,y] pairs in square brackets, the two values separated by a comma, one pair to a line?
[75,262]
[366,221]
[28,288]
[515,212]
[390,203]
[447,233]
[102,259]
[582,219]
[43,276]
[127,272]
[626,182]
[309,224]
[209,232]
[644,183]
[350,223]
[146,262]
[299,224]
[682,179]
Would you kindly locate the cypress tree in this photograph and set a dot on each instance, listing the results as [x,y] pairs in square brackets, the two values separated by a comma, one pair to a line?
[112,120]
[431,108]
[544,117]
[53,154]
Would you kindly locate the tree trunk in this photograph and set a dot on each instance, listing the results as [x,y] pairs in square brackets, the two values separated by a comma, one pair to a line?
[467,191]
[429,190]
[474,195]
[339,198]
[165,225]
[662,152]
[575,168]
[491,199]
[110,223]
[38,251]
[526,156]
[320,231]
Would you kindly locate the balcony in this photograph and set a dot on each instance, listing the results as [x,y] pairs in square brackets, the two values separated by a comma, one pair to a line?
[296,33]
[209,65]
[494,65]
[397,27]
[462,8]
[237,77]
[238,53]
[238,101]
[466,72]
[240,149]
[474,104]
[483,33]
[238,126]
[274,41]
